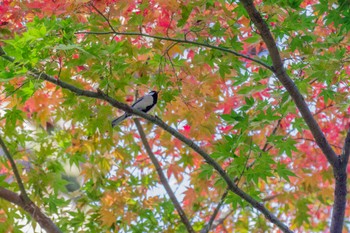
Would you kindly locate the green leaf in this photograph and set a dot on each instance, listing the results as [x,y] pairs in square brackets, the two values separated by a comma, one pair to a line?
[261,169]
[6,76]
[234,116]
[224,69]
[235,200]
[302,215]
[249,89]
[217,30]
[26,91]
[12,116]
[206,171]
[253,39]
[328,94]
[283,171]
[285,145]
[185,13]
[136,19]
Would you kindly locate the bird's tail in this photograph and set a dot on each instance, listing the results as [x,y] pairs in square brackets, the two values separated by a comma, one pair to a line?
[118,120]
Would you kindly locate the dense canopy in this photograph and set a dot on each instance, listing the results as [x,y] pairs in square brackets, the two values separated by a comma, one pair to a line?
[250,132]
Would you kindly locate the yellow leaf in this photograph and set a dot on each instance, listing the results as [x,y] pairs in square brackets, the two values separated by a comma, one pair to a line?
[118,155]
[172,49]
[107,217]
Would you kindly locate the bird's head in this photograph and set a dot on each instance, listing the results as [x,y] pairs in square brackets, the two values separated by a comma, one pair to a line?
[153,93]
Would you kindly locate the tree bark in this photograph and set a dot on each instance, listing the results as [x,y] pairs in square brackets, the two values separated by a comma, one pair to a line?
[45,222]
[339,204]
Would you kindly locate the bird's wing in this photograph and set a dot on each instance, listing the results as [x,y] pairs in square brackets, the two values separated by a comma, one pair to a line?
[144,103]
[137,101]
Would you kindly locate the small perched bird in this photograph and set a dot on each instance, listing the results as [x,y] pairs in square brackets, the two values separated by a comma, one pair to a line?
[144,104]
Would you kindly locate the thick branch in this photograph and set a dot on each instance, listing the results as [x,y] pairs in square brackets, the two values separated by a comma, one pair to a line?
[182,41]
[340,193]
[100,95]
[30,208]
[340,190]
[287,82]
[162,178]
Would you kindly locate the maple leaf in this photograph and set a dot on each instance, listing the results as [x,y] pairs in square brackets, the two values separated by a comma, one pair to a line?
[176,170]
[190,197]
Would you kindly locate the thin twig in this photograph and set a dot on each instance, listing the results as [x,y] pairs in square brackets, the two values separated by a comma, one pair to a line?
[321,110]
[245,164]
[313,140]
[183,41]
[265,149]
[17,88]
[23,200]
[107,20]
[162,178]
[207,228]
[346,149]
[272,133]
[221,220]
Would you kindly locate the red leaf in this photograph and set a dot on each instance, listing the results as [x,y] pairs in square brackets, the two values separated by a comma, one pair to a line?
[187,128]
[190,197]
[190,54]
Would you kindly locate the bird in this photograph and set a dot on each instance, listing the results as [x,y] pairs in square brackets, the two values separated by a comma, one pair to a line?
[144,104]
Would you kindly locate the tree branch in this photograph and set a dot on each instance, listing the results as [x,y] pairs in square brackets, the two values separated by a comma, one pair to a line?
[287,82]
[207,228]
[313,140]
[340,191]
[100,95]
[182,41]
[15,172]
[162,178]
[107,20]
[346,149]
[30,208]
[221,220]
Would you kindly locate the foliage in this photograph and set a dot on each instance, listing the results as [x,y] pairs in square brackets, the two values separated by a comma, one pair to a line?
[231,106]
